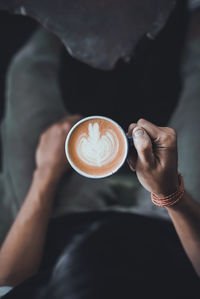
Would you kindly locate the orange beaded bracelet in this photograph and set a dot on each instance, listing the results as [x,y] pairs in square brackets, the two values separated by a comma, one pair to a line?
[171,199]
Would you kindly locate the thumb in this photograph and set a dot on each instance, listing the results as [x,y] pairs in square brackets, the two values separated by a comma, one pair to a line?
[143,146]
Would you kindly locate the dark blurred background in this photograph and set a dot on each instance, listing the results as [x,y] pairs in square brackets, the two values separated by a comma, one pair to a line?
[148,86]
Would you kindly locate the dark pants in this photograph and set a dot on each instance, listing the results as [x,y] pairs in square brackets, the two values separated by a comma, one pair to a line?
[34,102]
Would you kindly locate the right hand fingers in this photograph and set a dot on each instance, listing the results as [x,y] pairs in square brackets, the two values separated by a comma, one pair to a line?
[143,146]
[132,154]
[156,165]
[162,136]
[162,139]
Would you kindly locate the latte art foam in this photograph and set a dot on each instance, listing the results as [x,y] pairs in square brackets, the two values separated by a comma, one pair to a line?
[96,147]
[96,150]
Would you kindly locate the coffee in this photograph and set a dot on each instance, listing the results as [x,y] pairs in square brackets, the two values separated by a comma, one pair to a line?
[96,147]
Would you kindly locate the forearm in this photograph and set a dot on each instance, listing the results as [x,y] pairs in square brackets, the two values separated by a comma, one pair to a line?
[186,219]
[22,250]
[156,168]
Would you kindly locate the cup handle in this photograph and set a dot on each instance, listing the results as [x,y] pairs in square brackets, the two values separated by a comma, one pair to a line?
[130,142]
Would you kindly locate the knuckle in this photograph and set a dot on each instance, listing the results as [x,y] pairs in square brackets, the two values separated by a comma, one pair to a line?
[66,126]
[166,139]
[131,127]
[56,129]
[169,137]
[171,131]
[141,122]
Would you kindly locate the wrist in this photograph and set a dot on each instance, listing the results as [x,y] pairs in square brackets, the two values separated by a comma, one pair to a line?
[171,186]
[42,191]
[172,199]
[46,175]
[45,181]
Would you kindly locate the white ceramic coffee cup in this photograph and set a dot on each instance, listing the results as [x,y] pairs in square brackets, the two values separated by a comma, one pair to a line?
[72,163]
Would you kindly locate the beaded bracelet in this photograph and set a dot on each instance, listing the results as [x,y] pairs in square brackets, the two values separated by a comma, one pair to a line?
[171,199]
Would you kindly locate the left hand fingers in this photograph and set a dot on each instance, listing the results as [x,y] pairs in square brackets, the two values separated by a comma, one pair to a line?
[69,121]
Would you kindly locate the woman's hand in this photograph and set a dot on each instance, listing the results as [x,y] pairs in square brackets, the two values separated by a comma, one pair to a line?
[155,162]
[50,153]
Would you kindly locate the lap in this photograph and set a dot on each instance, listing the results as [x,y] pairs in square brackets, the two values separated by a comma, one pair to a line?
[33,102]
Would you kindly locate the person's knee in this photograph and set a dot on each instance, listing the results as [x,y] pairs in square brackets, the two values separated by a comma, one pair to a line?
[24,67]
[18,64]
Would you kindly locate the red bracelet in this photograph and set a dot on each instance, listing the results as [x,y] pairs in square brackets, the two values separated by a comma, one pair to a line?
[171,199]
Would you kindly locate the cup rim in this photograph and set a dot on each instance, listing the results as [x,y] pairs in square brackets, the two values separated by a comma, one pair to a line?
[82,172]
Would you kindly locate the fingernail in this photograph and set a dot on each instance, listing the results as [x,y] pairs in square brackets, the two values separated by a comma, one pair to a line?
[138,133]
